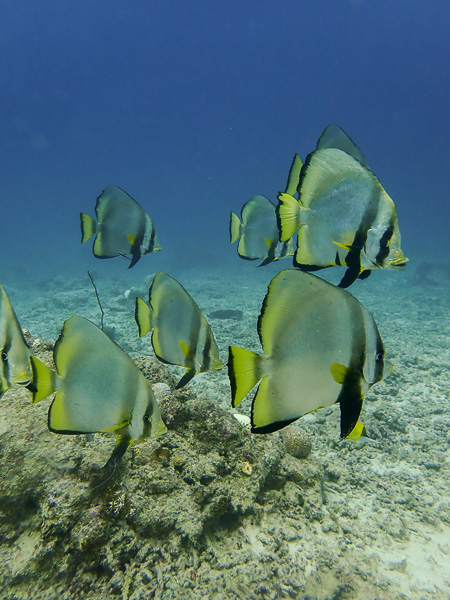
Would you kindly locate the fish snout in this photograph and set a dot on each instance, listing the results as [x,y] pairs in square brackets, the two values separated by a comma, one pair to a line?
[23,378]
[398,263]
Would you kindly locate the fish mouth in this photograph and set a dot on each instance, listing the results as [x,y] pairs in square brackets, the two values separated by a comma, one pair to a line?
[398,263]
[21,382]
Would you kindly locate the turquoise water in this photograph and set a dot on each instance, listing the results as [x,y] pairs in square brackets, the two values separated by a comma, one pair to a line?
[193,108]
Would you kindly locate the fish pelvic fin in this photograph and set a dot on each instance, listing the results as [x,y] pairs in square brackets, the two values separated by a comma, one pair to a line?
[244,371]
[356,432]
[143,316]
[123,442]
[88,227]
[44,380]
[288,216]
[350,398]
[189,374]
[235,227]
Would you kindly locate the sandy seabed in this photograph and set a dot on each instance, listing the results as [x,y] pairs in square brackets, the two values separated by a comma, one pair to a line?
[357,520]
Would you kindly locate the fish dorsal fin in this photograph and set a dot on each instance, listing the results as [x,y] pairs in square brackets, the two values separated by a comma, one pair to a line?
[143,316]
[294,175]
[235,227]
[288,216]
[335,137]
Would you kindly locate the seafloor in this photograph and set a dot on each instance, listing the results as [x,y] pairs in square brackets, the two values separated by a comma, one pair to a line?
[210,511]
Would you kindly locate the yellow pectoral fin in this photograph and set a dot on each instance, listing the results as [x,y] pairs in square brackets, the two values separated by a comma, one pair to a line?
[115,427]
[346,247]
[339,373]
[131,239]
[44,380]
[356,432]
[189,354]
[185,349]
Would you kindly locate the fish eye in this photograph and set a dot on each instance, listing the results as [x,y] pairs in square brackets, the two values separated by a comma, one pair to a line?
[379,356]
[146,419]
[4,357]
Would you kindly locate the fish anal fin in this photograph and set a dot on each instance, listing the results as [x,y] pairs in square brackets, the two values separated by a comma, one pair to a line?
[244,370]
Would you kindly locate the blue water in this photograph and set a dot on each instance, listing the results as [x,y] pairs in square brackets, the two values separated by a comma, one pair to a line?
[193,107]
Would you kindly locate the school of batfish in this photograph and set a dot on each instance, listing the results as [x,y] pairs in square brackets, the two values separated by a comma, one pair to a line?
[321,346]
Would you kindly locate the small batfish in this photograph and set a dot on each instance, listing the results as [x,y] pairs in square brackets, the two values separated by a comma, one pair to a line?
[98,388]
[181,334]
[122,227]
[15,365]
[321,346]
[344,216]
[257,231]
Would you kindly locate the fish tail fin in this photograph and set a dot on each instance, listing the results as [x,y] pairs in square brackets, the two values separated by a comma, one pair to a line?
[235,227]
[44,380]
[88,227]
[143,317]
[288,216]
[244,371]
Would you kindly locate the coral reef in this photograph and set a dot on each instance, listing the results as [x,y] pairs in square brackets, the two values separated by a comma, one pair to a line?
[296,441]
